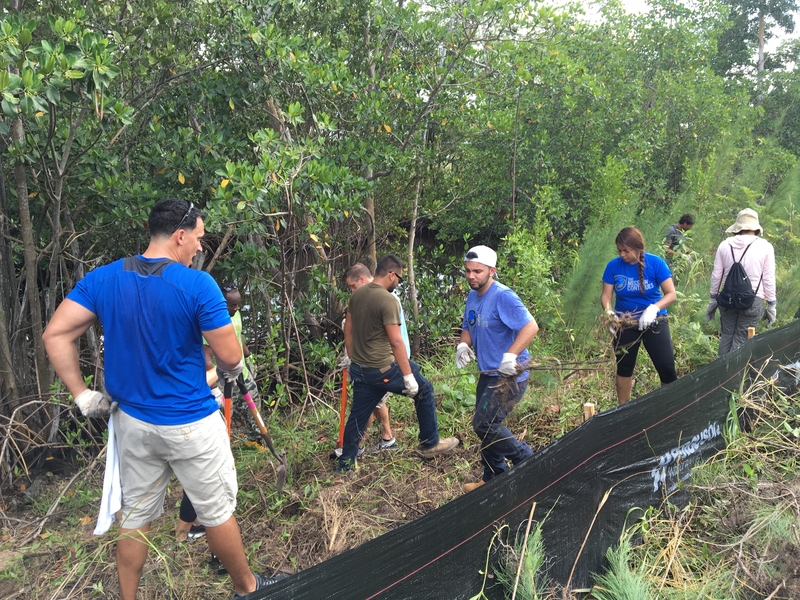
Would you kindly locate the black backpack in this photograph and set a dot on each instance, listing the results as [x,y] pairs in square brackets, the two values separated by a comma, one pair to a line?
[737,292]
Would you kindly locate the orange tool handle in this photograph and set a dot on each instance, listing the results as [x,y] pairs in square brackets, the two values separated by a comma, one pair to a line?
[342,408]
[227,393]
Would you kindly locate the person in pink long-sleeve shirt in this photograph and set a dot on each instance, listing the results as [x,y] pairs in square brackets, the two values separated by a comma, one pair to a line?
[759,264]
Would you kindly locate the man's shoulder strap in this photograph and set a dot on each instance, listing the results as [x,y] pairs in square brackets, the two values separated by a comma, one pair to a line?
[145,267]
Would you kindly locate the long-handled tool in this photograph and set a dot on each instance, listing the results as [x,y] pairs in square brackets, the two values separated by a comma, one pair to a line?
[337,451]
[342,408]
[283,465]
[227,395]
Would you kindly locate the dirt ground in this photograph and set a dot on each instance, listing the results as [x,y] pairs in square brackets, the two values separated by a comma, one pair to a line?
[319,515]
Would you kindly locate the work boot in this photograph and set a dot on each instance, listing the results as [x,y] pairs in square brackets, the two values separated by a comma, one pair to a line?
[262,581]
[468,487]
[445,446]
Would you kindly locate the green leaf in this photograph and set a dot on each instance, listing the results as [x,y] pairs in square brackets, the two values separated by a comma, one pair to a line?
[53,95]
[27,106]
[73,74]
[25,37]
[9,109]
[4,130]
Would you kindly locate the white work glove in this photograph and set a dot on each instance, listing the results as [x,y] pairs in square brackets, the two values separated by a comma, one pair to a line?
[231,375]
[649,316]
[344,362]
[93,403]
[508,366]
[218,396]
[771,313]
[412,387]
[712,308]
[464,355]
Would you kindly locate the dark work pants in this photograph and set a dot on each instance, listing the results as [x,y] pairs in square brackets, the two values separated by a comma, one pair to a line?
[498,444]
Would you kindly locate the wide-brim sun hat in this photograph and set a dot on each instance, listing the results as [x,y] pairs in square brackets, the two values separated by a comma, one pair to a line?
[746,220]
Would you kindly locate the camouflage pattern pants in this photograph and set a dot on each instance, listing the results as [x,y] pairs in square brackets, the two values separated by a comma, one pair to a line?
[241,412]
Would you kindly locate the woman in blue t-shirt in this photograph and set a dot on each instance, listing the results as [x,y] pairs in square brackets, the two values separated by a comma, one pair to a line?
[642,284]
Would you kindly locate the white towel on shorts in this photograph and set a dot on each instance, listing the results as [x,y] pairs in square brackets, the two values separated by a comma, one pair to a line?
[111,501]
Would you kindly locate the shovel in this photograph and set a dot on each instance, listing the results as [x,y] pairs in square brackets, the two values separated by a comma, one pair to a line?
[227,395]
[342,408]
[283,466]
[337,451]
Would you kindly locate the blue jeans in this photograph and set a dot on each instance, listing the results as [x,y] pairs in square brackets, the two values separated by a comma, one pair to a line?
[497,441]
[369,386]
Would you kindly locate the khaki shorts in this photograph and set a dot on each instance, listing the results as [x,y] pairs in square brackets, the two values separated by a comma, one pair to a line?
[198,453]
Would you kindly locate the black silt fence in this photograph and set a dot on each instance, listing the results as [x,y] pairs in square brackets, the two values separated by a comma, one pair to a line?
[636,454]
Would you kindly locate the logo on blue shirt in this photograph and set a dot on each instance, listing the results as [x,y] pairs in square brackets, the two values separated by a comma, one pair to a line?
[472,317]
[620,282]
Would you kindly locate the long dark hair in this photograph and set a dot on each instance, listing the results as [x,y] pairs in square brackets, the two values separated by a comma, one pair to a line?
[633,239]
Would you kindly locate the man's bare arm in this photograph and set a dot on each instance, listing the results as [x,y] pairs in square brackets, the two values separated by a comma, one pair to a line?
[524,337]
[398,348]
[225,346]
[69,322]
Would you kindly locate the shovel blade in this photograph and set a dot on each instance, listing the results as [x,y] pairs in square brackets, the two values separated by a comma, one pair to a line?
[281,473]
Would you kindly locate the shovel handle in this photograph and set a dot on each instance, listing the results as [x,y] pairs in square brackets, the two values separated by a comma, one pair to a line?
[342,408]
[227,394]
[256,415]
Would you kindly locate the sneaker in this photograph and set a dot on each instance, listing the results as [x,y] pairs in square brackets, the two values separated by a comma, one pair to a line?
[196,532]
[384,445]
[468,487]
[262,581]
[445,446]
[338,452]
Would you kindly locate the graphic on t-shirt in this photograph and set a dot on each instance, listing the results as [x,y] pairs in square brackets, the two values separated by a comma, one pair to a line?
[632,285]
[474,318]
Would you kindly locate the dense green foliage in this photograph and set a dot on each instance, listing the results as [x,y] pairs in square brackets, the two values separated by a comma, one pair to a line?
[315,135]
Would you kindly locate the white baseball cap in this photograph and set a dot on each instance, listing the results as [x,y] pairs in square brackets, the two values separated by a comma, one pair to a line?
[482,254]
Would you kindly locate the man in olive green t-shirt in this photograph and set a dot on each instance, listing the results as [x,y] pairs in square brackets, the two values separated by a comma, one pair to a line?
[379,364]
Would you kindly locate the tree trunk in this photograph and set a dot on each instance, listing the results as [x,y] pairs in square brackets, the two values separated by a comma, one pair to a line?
[412,284]
[31,264]
[9,391]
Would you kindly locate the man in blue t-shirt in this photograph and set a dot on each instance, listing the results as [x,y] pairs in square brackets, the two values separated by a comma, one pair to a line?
[155,312]
[500,329]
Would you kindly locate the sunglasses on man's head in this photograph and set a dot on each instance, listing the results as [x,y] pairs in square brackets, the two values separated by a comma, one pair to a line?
[185,216]
[229,288]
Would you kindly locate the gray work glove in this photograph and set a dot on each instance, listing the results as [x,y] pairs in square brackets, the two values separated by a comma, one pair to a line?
[464,355]
[412,387]
[712,308]
[232,374]
[344,362]
[93,403]
[771,313]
